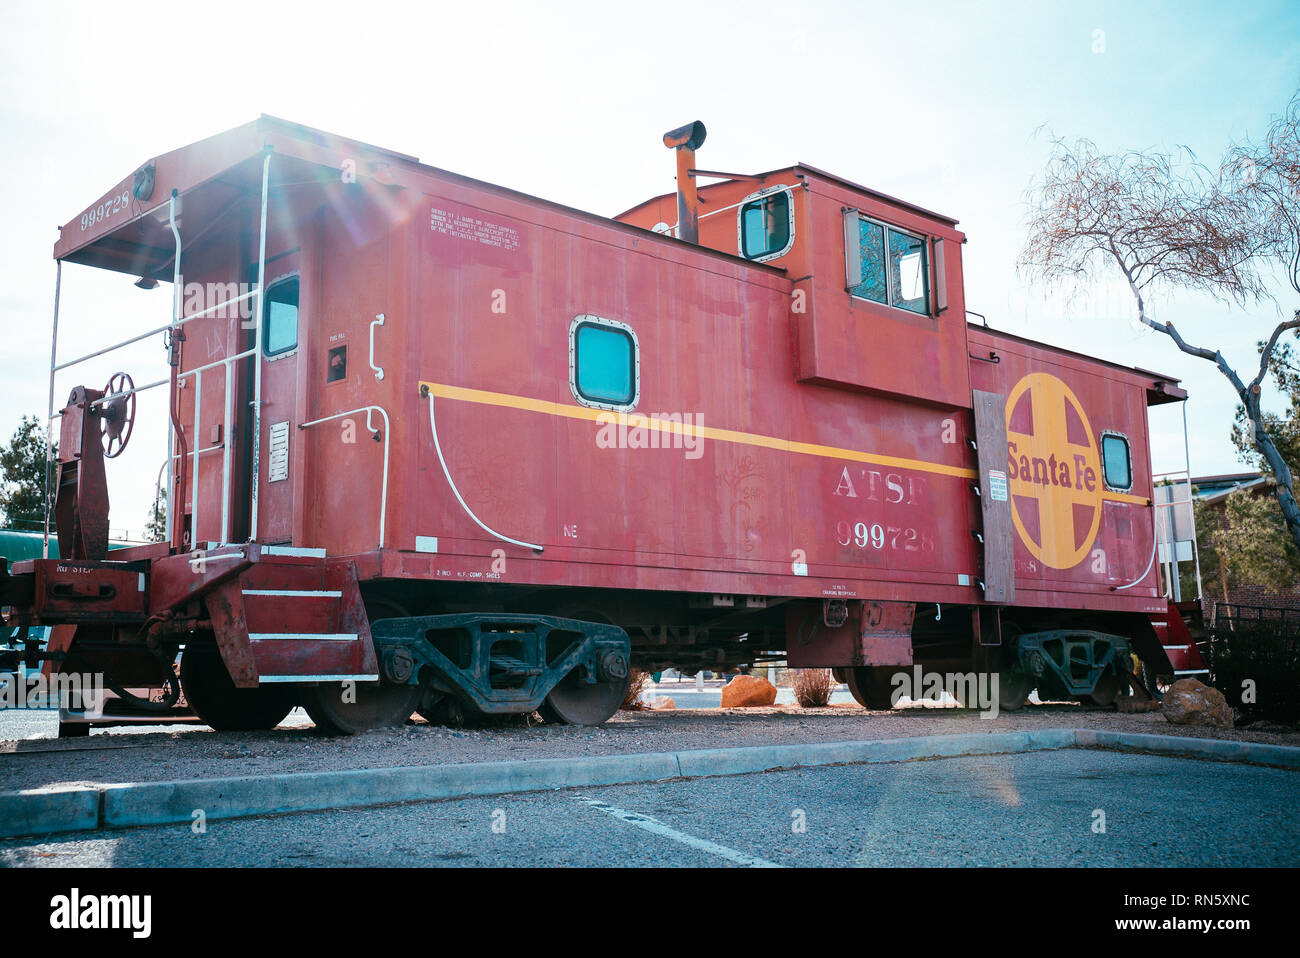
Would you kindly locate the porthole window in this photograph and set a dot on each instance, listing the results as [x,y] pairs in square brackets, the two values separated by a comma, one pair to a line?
[280,317]
[1116,462]
[604,363]
[767,224]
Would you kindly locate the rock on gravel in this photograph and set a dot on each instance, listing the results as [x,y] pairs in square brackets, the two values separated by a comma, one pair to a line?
[1190,702]
[748,691]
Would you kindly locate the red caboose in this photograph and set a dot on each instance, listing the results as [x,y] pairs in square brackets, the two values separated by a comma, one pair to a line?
[438,445]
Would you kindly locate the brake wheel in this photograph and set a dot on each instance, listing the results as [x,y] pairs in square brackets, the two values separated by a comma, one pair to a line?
[117,414]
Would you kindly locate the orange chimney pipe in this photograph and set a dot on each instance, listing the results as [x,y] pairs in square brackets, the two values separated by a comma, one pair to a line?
[686,140]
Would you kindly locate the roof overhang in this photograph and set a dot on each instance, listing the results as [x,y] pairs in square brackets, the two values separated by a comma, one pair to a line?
[128,229]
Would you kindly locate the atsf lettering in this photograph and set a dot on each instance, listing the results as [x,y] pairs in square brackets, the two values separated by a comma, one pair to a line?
[873,486]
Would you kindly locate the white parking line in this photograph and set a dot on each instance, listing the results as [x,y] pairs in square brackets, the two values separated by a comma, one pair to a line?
[657,827]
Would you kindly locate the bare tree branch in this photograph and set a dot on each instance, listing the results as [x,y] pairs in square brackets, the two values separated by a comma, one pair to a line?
[1168,220]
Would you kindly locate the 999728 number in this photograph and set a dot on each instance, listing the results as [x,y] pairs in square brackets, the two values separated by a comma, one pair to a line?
[105,209]
[876,536]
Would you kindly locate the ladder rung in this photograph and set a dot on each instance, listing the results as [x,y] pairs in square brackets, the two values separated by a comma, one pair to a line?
[303,636]
[298,593]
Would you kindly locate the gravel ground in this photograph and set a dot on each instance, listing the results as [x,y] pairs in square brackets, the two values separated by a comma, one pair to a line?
[155,755]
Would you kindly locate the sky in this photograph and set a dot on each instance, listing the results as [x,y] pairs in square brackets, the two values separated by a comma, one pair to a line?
[942,104]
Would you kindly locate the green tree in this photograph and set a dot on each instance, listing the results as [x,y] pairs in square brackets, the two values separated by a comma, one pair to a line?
[1247,543]
[1284,427]
[1253,545]
[155,530]
[22,476]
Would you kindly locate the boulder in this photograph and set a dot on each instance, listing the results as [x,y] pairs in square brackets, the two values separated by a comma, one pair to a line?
[1189,702]
[663,702]
[748,691]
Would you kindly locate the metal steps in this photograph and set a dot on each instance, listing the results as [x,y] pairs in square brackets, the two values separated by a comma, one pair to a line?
[293,616]
[1175,634]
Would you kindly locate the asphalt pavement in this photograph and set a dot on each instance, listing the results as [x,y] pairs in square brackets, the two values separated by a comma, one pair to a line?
[1070,807]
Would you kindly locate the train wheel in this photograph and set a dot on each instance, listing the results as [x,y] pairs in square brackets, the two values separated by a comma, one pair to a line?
[575,701]
[1014,686]
[453,713]
[357,706]
[1149,679]
[1106,690]
[212,694]
[870,686]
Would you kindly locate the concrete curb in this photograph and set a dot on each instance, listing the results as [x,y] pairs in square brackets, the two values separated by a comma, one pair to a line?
[50,810]
[42,811]
[1220,750]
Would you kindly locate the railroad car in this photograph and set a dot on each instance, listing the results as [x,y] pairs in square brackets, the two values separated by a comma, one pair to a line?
[438,446]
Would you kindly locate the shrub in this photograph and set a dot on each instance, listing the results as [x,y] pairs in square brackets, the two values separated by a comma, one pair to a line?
[1267,656]
[635,686]
[812,687]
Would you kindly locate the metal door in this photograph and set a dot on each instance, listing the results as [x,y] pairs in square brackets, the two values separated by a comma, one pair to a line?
[275,417]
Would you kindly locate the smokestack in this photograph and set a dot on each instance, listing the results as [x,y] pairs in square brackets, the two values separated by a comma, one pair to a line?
[686,140]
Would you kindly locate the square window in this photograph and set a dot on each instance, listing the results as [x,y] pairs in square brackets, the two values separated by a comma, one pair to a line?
[765,226]
[337,369]
[871,242]
[907,272]
[888,266]
[603,363]
[1116,465]
[280,317]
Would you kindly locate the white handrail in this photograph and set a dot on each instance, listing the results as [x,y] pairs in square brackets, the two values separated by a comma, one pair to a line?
[49,439]
[433,424]
[379,370]
[257,348]
[383,489]
[194,481]
[178,320]
[171,426]
[216,362]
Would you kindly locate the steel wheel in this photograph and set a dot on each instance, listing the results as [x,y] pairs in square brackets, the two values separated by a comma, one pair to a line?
[1149,679]
[870,686]
[349,708]
[453,713]
[1014,686]
[575,701]
[212,694]
[1106,690]
[352,707]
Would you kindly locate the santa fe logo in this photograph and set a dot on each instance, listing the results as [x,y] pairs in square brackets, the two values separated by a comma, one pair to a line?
[1053,471]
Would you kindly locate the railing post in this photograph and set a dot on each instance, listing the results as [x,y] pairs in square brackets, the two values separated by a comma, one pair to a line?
[194,492]
[171,429]
[225,456]
[49,418]
[257,353]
